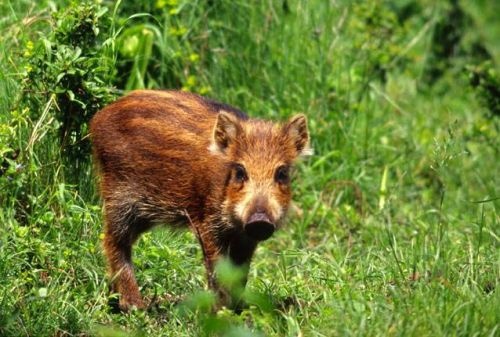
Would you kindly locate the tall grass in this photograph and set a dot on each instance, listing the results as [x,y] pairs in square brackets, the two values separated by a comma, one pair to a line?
[397,227]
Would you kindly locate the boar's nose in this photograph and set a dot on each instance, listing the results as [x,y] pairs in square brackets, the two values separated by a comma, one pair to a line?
[259,226]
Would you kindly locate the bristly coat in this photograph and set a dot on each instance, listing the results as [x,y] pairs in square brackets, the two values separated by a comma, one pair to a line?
[180,159]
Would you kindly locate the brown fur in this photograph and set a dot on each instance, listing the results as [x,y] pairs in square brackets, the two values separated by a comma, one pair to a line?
[177,158]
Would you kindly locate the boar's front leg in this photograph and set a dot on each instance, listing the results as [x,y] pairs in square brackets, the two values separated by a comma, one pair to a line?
[239,250]
[211,251]
[236,246]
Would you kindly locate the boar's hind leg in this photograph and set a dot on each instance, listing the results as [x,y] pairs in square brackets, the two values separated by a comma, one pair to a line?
[122,229]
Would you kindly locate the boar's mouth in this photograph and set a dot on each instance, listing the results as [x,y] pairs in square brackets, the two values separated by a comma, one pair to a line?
[259,227]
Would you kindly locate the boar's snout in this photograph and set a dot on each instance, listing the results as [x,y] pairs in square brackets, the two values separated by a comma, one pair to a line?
[259,227]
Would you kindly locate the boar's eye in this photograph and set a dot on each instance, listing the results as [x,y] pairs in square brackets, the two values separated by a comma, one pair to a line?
[240,174]
[282,175]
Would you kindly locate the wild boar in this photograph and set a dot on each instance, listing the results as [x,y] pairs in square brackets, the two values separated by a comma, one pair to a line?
[171,157]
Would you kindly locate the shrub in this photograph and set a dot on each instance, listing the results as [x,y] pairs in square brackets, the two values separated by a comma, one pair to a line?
[70,72]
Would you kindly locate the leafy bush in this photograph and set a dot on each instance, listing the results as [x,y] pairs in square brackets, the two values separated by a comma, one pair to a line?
[69,74]
[486,80]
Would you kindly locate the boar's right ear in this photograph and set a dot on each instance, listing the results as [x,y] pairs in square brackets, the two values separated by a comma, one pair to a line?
[225,131]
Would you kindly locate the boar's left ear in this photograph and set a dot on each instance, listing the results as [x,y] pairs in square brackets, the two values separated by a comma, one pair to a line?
[225,131]
[297,132]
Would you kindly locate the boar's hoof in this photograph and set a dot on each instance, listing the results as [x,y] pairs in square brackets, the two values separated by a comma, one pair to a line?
[259,227]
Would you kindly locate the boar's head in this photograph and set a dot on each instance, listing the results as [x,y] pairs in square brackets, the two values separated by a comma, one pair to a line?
[259,156]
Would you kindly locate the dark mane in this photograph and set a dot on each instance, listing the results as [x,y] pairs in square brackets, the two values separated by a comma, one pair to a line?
[217,106]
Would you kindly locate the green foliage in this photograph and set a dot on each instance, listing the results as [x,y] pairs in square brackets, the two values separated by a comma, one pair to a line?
[377,36]
[395,224]
[486,80]
[69,73]
[136,43]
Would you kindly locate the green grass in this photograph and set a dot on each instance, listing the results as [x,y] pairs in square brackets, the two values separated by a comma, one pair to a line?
[398,230]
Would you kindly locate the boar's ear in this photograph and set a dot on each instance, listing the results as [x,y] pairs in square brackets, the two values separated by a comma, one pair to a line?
[225,131]
[297,132]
